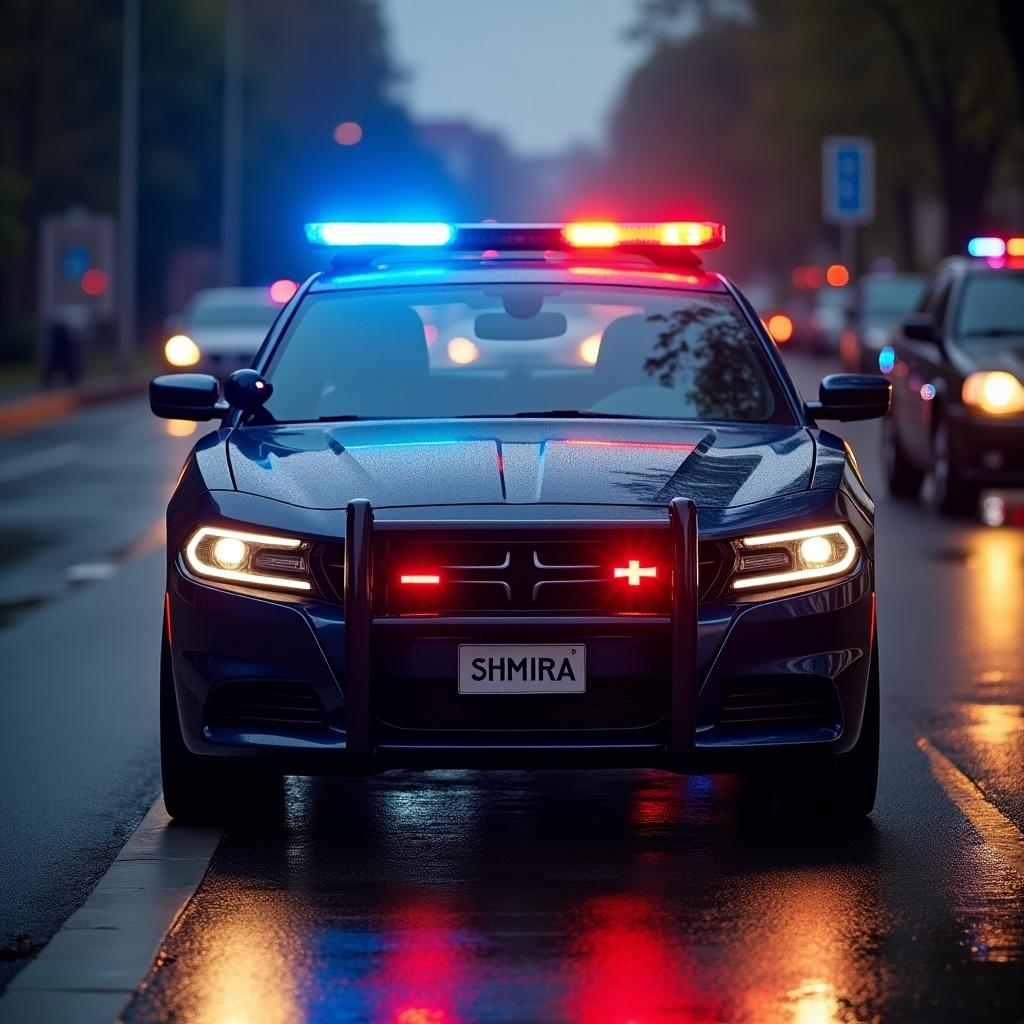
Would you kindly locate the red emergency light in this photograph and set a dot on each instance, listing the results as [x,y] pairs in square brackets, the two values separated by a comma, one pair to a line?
[634,573]
[684,234]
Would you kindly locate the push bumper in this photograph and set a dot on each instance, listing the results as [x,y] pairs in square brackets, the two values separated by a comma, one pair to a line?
[700,657]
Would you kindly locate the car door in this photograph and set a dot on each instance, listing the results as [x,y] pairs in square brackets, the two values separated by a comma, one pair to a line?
[917,368]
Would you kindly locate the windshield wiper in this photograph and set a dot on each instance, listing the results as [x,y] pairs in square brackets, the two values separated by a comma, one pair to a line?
[995,332]
[553,414]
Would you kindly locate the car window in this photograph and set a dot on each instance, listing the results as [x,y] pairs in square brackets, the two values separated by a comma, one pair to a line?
[242,315]
[890,298]
[522,348]
[991,307]
[937,298]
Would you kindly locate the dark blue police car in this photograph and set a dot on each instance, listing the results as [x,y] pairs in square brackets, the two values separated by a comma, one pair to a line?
[519,496]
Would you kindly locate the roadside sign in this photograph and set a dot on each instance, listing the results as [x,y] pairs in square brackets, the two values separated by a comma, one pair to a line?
[76,255]
[848,179]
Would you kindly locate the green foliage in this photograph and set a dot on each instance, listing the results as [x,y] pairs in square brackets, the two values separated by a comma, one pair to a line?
[728,113]
[307,66]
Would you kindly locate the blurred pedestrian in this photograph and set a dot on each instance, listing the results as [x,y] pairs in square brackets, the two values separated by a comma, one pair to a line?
[64,341]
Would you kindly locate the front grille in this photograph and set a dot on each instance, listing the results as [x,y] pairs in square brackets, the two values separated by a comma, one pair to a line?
[780,702]
[266,704]
[436,705]
[540,571]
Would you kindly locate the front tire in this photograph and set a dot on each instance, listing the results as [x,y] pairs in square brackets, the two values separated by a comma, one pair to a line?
[843,790]
[902,478]
[951,495]
[197,790]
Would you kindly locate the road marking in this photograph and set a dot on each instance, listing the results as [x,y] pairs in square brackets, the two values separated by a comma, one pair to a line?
[90,572]
[39,462]
[991,824]
[149,542]
[91,968]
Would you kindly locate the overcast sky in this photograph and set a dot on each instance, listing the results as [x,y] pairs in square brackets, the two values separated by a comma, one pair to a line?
[545,73]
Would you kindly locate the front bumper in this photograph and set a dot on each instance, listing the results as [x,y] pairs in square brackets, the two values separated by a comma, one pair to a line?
[713,686]
[987,450]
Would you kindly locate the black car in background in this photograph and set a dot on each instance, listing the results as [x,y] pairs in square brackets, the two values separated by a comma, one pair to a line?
[957,368]
[880,301]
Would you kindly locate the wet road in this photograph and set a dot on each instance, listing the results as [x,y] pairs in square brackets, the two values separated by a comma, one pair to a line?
[638,896]
[81,528]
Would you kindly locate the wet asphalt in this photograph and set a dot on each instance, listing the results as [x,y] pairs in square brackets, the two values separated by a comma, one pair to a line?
[593,897]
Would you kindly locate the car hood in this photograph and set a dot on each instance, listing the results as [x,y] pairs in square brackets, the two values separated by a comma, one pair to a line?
[519,461]
[998,354]
[232,340]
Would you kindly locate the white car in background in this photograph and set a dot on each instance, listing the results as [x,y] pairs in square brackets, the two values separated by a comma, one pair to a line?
[221,329]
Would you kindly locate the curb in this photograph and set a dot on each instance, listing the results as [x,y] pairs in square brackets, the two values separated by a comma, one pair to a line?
[20,414]
[90,969]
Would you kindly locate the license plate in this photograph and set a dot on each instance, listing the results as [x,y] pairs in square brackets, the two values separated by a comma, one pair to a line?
[522,668]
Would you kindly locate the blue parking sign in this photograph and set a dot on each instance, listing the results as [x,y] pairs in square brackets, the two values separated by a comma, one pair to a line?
[848,180]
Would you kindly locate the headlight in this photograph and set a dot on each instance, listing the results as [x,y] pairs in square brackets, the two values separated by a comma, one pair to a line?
[249,559]
[996,392]
[774,560]
[181,350]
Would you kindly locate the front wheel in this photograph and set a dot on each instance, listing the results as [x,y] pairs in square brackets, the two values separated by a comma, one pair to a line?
[951,495]
[843,790]
[197,790]
[901,477]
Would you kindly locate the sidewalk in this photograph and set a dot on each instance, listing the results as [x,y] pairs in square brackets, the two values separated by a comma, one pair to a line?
[24,412]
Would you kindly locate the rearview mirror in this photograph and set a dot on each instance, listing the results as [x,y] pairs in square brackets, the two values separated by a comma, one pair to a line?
[502,327]
[185,396]
[851,396]
[920,327]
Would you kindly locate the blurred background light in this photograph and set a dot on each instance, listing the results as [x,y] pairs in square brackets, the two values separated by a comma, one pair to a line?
[281,291]
[837,275]
[462,351]
[94,282]
[348,133]
[983,246]
[780,327]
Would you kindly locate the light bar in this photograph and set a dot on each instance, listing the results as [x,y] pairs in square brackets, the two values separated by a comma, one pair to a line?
[350,233]
[612,235]
[984,246]
[420,579]
[490,240]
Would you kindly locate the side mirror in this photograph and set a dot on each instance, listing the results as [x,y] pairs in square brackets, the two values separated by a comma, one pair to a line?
[185,396]
[851,396]
[247,390]
[920,327]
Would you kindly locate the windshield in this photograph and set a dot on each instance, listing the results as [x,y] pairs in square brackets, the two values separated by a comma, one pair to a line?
[888,299]
[992,306]
[521,349]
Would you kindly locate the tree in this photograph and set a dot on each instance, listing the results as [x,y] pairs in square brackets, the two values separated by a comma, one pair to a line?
[924,78]
[956,59]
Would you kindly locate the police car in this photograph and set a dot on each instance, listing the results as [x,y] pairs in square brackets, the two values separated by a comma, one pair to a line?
[957,367]
[609,534]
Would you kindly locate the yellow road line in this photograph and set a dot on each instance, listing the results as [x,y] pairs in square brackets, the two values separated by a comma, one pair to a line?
[991,824]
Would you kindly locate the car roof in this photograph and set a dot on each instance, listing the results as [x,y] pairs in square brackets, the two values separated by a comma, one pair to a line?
[231,297]
[494,271]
